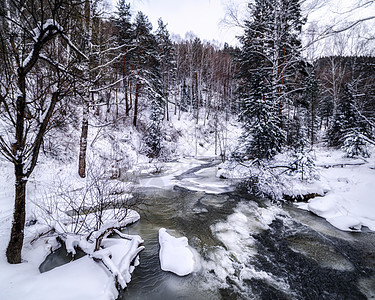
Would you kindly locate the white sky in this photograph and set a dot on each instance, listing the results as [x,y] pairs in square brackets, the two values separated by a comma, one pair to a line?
[203,17]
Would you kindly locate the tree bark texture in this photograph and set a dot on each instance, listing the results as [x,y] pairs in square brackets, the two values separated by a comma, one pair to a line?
[83,143]
[13,252]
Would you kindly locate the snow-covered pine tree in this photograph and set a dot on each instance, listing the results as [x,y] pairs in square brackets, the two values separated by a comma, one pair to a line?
[302,163]
[185,98]
[123,24]
[167,61]
[149,82]
[348,129]
[154,133]
[285,51]
[310,97]
[347,121]
[143,50]
[263,136]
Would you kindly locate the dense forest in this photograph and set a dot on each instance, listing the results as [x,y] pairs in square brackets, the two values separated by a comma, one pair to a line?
[68,68]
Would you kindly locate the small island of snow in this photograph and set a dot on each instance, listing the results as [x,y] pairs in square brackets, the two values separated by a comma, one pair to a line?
[175,254]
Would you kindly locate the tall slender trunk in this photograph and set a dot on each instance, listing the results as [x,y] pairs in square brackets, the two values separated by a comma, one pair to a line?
[137,92]
[136,103]
[14,249]
[86,107]
[83,141]
[166,98]
[116,98]
[127,108]
[198,93]
[131,86]
[312,121]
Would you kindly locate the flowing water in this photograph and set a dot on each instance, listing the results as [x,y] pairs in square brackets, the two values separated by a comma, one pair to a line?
[246,248]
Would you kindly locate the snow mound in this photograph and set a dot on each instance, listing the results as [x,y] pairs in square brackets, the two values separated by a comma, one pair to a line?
[80,279]
[349,203]
[175,254]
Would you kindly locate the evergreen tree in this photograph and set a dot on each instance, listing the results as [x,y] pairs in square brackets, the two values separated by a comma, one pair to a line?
[154,134]
[303,163]
[346,119]
[149,82]
[123,22]
[124,35]
[167,61]
[310,96]
[185,97]
[144,52]
[270,55]
[349,129]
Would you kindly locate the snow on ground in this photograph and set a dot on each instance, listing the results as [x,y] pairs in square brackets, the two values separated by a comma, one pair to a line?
[345,185]
[198,140]
[176,255]
[81,279]
[349,200]
[53,178]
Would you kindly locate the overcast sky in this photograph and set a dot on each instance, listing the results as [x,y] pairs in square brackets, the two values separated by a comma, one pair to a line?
[203,17]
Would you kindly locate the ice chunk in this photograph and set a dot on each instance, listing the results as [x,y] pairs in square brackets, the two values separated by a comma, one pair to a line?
[175,254]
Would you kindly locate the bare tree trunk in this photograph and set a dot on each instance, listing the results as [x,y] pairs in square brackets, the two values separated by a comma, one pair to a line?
[127,108]
[14,249]
[85,113]
[175,101]
[136,103]
[312,121]
[198,93]
[116,97]
[131,86]
[83,142]
[166,98]
[136,94]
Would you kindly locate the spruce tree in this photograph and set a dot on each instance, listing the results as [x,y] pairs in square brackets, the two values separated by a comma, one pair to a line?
[348,128]
[270,56]
[167,61]
[303,164]
[149,82]
[310,97]
[123,24]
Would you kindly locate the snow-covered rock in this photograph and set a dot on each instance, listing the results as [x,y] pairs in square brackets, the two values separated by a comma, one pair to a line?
[175,254]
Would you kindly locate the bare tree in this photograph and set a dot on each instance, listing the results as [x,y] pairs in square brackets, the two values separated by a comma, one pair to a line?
[27,32]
